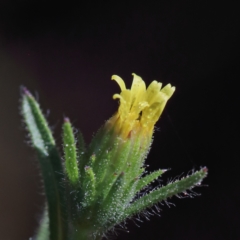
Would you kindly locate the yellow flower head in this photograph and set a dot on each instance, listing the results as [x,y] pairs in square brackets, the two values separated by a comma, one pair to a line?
[140,108]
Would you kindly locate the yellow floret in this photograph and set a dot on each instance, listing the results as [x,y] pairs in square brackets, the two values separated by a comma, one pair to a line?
[140,108]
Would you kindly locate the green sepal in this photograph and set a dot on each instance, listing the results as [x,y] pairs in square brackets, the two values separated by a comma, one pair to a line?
[70,153]
[119,157]
[133,170]
[89,186]
[81,155]
[134,162]
[101,144]
[112,205]
[50,163]
[102,167]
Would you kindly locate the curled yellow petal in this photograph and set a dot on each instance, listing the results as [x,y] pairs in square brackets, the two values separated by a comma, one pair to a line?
[120,82]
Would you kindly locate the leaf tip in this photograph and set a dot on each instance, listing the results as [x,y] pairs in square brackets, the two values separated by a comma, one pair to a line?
[66,120]
[25,91]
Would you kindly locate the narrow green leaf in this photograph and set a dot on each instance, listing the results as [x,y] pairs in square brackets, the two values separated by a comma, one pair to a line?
[50,163]
[144,181]
[161,194]
[70,153]
[43,230]
[41,135]
[165,192]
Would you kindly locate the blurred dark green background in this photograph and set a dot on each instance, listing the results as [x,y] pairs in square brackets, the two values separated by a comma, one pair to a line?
[65,53]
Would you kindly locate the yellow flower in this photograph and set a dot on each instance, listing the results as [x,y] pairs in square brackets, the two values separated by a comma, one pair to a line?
[140,108]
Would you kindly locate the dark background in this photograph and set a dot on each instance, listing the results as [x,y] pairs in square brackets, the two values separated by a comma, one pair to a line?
[65,53]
